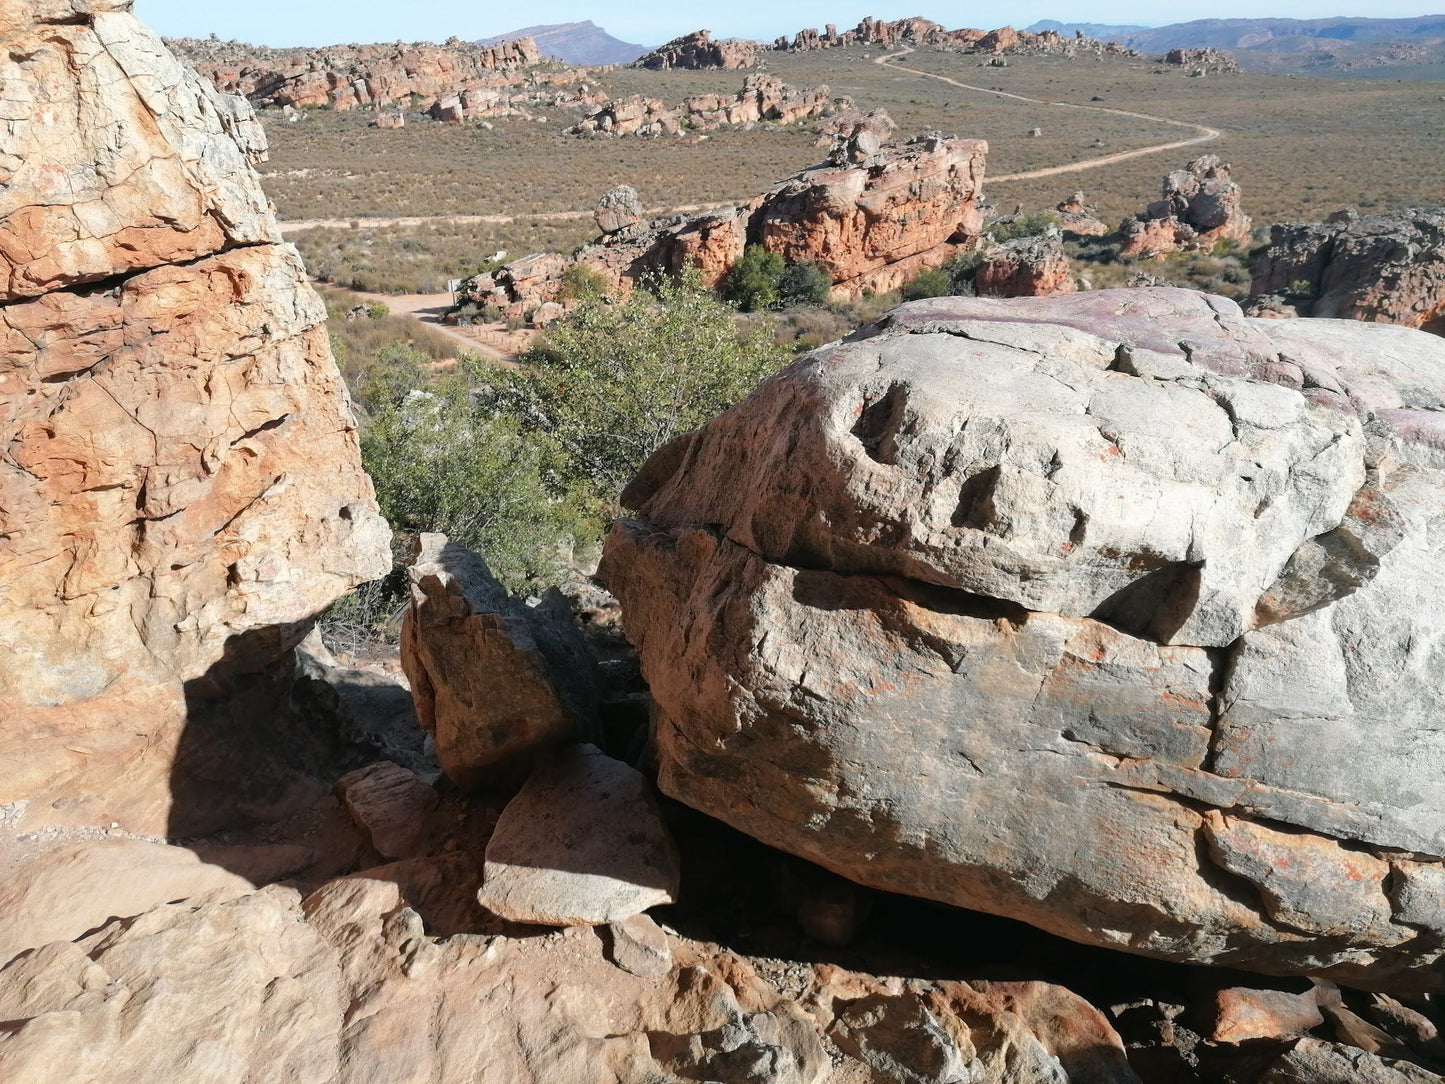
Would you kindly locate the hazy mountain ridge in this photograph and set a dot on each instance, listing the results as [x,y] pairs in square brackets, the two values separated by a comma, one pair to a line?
[575,43]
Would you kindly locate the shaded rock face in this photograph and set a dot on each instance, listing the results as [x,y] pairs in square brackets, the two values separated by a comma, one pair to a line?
[1384,268]
[352,76]
[697,51]
[493,678]
[1025,267]
[169,395]
[1102,612]
[872,224]
[1200,207]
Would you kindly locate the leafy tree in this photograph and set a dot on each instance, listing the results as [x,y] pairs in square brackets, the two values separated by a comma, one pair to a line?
[752,282]
[612,382]
[804,283]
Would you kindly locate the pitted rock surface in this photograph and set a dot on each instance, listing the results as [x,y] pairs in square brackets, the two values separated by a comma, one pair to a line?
[1115,612]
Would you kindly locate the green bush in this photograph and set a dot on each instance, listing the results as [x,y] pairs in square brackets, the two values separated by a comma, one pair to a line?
[752,282]
[610,383]
[804,283]
[376,310]
[1026,225]
[934,282]
[441,461]
[581,283]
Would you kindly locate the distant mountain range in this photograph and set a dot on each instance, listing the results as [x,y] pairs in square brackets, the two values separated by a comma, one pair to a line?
[583,43]
[1102,31]
[1340,44]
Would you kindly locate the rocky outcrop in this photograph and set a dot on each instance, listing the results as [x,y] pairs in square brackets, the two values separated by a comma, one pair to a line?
[872,224]
[181,491]
[494,679]
[352,76]
[1079,218]
[1384,268]
[617,209]
[1114,613]
[1200,208]
[924,32]
[1202,61]
[762,98]
[697,51]
[1025,267]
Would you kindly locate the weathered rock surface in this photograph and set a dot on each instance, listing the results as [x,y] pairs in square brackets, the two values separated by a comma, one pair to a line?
[494,679]
[1203,61]
[263,985]
[1383,268]
[1025,267]
[1078,217]
[581,845]
[168,395]
[1199,209]
[698,50]
[1103,612]
[919,31]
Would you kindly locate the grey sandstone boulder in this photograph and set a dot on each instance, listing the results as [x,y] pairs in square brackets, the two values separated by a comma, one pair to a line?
[1117,613]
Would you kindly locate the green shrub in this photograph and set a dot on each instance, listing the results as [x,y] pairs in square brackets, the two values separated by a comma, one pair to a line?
[752,282]
[1025,225]
[441,461]
[804,283]
[582,283]
[376,310]
[610,383]
[934,282]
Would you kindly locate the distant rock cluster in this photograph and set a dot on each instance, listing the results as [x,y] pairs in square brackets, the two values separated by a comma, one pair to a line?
[353,76]
[762,98]
[698,51]
[919,31]
[1199,208]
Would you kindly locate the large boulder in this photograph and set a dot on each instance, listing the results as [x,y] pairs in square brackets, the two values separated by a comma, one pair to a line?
[1118,613]
[698,51]
[1200,208]
[1386,268]
[181,492]
[1025,267]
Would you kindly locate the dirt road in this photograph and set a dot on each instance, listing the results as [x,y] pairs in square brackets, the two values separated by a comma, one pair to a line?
[1205,133]
[470,220]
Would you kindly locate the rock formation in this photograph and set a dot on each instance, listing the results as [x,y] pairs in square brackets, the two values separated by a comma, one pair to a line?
[697,51]
[1079,218]
[1116,613]
[494,679]
[873,218]
[618,209]
[1025,267]
[351,76]
[1386,268]
[762,98]
[181,492]
[920,32]
[1202,61]
[1200,208]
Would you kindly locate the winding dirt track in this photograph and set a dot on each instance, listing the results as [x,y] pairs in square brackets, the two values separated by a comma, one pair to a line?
[1204,136]
[492,220]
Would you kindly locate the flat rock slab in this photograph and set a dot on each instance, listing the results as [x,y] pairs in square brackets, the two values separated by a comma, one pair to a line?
[581,845]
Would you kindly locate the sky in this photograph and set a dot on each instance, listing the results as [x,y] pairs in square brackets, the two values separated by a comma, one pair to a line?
[651,22]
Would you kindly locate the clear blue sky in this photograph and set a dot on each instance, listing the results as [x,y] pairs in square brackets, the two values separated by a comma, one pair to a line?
[651,22]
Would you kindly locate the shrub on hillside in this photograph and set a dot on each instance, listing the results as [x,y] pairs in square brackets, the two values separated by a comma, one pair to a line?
[752,282]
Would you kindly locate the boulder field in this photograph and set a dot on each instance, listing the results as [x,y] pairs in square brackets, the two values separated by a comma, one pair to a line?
[1117,612]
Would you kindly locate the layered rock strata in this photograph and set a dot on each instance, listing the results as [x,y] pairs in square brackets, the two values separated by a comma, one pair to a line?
[168,395]
[1117,613]
[762,98]
[1383,268]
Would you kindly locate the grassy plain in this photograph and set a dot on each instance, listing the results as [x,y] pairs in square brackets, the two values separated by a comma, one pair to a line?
[1300,148]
